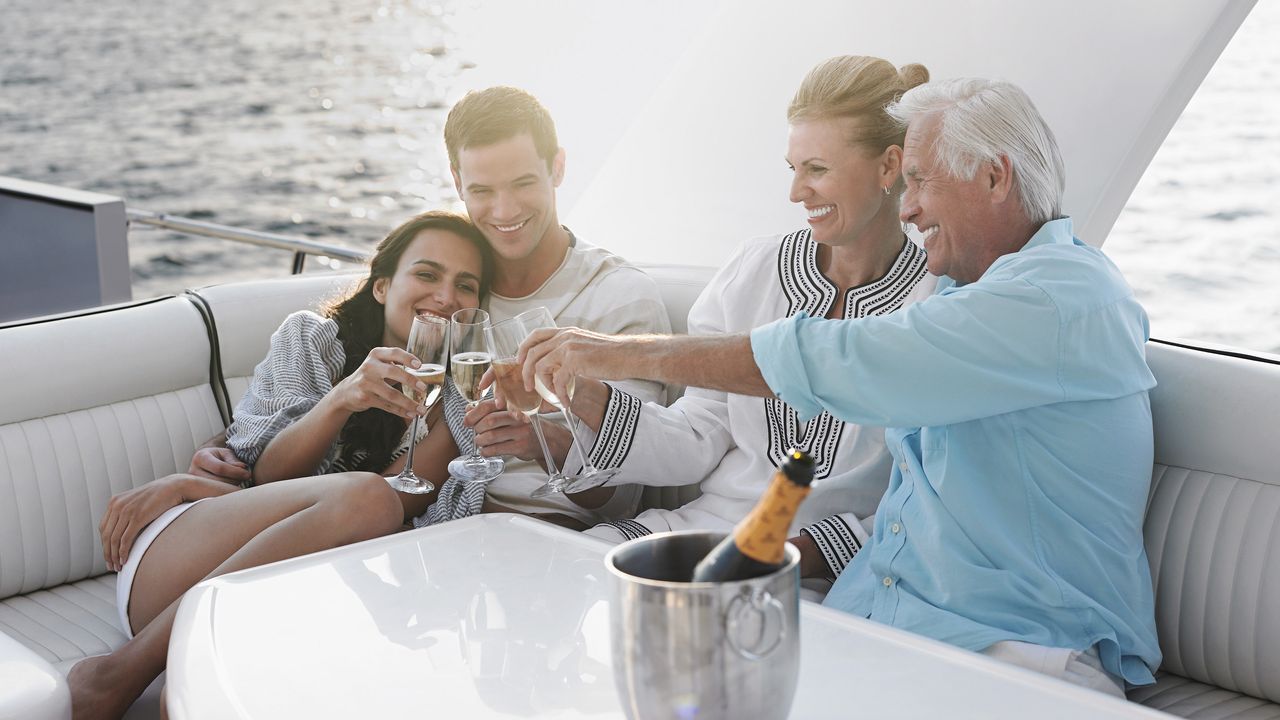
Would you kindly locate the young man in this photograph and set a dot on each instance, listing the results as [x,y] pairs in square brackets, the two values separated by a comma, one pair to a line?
[1016,401]
[507,164]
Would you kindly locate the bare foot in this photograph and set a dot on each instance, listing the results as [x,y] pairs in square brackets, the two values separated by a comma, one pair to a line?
[96,690]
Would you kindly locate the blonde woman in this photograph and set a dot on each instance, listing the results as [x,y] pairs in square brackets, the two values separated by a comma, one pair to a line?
[851,261]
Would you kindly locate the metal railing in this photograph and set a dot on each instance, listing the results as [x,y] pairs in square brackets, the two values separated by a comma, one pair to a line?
[300,246]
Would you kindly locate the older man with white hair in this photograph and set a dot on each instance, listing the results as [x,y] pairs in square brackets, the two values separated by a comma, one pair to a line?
[1015,400]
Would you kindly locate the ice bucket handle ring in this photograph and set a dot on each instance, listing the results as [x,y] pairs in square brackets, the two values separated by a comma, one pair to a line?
[761,603]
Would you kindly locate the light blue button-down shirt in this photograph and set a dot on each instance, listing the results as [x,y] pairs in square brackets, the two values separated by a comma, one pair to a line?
[1021,434]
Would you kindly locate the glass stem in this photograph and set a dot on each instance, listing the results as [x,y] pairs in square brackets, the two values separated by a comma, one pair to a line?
[546,451]
[407,472]
[475,457]
[573,433]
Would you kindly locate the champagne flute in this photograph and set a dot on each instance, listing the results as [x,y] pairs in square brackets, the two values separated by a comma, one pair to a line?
[504,341]
[591,476]
[429,342]
[469,358]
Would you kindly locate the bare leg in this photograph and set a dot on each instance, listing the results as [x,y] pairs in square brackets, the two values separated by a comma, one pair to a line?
[233,532]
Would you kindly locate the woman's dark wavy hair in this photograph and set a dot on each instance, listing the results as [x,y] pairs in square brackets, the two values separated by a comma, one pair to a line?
[369,438]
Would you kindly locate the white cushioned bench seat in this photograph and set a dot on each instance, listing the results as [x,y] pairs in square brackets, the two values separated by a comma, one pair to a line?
[246,313]
[1213,534]
[66,623]
[1187,698]
[93,404]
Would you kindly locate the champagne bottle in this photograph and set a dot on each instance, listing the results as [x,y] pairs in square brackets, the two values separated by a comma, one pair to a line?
[758,545]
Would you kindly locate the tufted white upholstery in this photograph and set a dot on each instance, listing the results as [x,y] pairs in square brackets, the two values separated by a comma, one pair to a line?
[66,622]
[1187,698]
[680,286]
[248,312]
[93,406]
[1213,534]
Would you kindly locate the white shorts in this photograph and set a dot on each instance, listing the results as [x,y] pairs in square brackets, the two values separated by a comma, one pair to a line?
[1078,667]
[124,580]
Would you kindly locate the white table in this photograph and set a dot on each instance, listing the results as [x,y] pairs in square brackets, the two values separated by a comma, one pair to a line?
[503,616]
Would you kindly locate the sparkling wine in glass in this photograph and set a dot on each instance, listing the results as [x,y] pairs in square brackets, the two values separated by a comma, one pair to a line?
[429,342]
[504,340]
[591,476]
[469,359]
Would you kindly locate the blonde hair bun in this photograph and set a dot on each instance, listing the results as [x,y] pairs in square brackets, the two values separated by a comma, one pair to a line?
[857,87]
[913,74]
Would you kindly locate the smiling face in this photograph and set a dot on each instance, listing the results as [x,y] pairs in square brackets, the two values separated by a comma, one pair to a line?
[957,218]
[510,193]
[438,274]
[840,185]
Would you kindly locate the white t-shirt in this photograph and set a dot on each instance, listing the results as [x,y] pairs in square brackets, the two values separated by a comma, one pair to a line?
[596,290]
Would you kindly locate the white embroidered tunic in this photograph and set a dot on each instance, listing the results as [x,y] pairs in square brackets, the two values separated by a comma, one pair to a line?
[732,444]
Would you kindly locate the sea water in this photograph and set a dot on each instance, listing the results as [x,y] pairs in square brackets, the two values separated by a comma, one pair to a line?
[323,118]
[1200,237]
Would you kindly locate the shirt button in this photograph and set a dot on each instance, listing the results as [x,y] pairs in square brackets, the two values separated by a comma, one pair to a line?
[888,582]
[903,466]
[895,528]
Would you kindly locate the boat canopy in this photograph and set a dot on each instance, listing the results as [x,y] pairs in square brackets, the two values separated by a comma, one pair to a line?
[673,113]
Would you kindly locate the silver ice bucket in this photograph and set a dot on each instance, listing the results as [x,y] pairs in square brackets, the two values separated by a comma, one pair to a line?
[684,650]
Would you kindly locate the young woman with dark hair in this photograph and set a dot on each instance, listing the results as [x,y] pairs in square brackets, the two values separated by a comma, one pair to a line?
[320,425]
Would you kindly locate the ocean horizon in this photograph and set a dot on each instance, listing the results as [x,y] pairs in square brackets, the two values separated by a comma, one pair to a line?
[322,119]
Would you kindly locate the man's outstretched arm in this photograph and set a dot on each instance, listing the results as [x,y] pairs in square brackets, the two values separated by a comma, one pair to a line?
[715,362]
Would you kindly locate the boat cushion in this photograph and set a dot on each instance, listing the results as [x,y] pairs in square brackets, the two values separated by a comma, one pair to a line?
[1212,528]
[1177,695]
[66,623]
[94,405]
[247,313]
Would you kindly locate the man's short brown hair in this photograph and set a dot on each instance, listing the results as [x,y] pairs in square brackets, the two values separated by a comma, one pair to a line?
[484,117]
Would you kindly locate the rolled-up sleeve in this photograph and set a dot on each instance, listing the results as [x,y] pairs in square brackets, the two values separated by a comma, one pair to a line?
[776,349]
[976,352]
[304,358]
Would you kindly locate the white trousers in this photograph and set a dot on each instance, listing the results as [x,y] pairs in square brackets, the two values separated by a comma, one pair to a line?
[1079,667]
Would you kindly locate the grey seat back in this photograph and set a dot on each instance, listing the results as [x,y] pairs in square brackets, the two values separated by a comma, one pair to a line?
[1213,518]
[92,405]
[247,313]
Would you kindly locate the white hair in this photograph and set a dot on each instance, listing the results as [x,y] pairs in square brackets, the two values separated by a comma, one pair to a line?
[984,120]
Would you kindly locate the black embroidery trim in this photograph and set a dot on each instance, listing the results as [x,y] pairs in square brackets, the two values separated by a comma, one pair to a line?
[807,290]
[630,529]
[836,541]
[617,430]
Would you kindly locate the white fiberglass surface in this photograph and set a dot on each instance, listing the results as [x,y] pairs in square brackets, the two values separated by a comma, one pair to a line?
[492,631]
[501,616]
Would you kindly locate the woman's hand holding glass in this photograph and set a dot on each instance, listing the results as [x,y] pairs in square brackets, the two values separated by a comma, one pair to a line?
[377,383]
[427,348]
